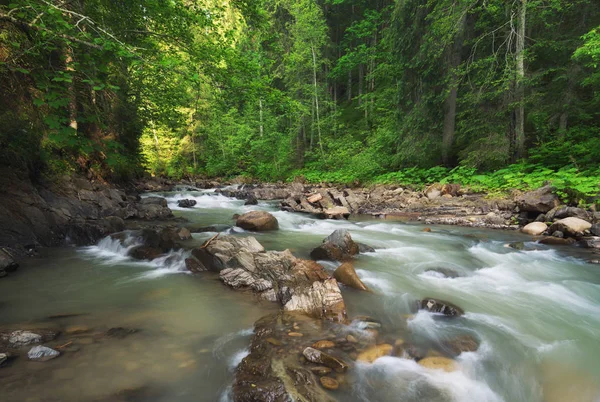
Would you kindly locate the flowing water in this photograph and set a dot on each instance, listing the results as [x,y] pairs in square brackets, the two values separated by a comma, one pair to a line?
[536,312]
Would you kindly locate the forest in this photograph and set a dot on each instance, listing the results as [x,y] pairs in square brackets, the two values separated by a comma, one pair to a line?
[495,94]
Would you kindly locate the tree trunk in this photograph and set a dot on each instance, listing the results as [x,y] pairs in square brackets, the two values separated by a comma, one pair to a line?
[520,78]
[260,114]
[72,107]
[314,56]
[450,103]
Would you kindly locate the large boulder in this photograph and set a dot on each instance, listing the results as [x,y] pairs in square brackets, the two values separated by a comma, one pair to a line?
[535,228]
[571,226]
[346,274]
[152,208]
[298,285]
[338,246]
[567,212]
[541,200]
[257,221]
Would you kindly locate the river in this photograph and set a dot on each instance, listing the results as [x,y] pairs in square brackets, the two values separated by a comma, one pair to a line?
[535,311]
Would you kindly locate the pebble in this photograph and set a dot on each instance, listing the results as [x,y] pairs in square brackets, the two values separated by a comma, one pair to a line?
[351,339]
[320,370]
[295,334]
[42,353]
[274,341]
[329,383]
[324,344]
[77,329]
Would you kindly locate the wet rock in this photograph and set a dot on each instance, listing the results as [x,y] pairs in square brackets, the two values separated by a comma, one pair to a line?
[571,226]
[363,248]
[444,272]
[556,241]
[120,332]
[186,203]
[558,234]
[145,253]
[184,234]
[299,285]
[251,200]
[151,208]
[351,339]
[42,353]
[540,200]
[439,306]
[323,344]
[535,228]
[338,246]
[463,343]
[7,262]
[329,383]
[6,358]
[438,363]
[519,245]
[373,353]
[271,373]
[20,338]
[316,356]
[195,266]
[414,352]
[257,221]
[346,274]
[321,299]
[595,229]
[589,242]
[296,334]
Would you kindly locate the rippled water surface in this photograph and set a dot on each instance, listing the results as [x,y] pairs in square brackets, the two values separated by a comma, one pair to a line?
[535,311]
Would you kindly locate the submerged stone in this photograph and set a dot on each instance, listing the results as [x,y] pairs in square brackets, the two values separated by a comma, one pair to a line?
[42,353]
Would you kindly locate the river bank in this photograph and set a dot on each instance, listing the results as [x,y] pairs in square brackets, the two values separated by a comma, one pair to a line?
[75,210]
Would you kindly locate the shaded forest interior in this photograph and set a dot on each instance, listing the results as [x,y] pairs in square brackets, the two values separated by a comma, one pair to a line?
[346,91]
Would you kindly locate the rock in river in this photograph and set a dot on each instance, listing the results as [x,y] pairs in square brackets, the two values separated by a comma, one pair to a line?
[346,274]
[338,246]
[374,352]
[319,357]
[42,353]
[438,363]
[186,203]
[278,276]
[439,306]
[258,221]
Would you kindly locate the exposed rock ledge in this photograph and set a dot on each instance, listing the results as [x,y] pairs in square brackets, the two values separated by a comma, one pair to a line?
[71,209]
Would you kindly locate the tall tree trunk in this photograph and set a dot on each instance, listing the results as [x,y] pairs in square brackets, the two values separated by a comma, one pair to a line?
[314,56]
[520,78]
[349,86]
[260,114]
[72,106]
[455,58]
